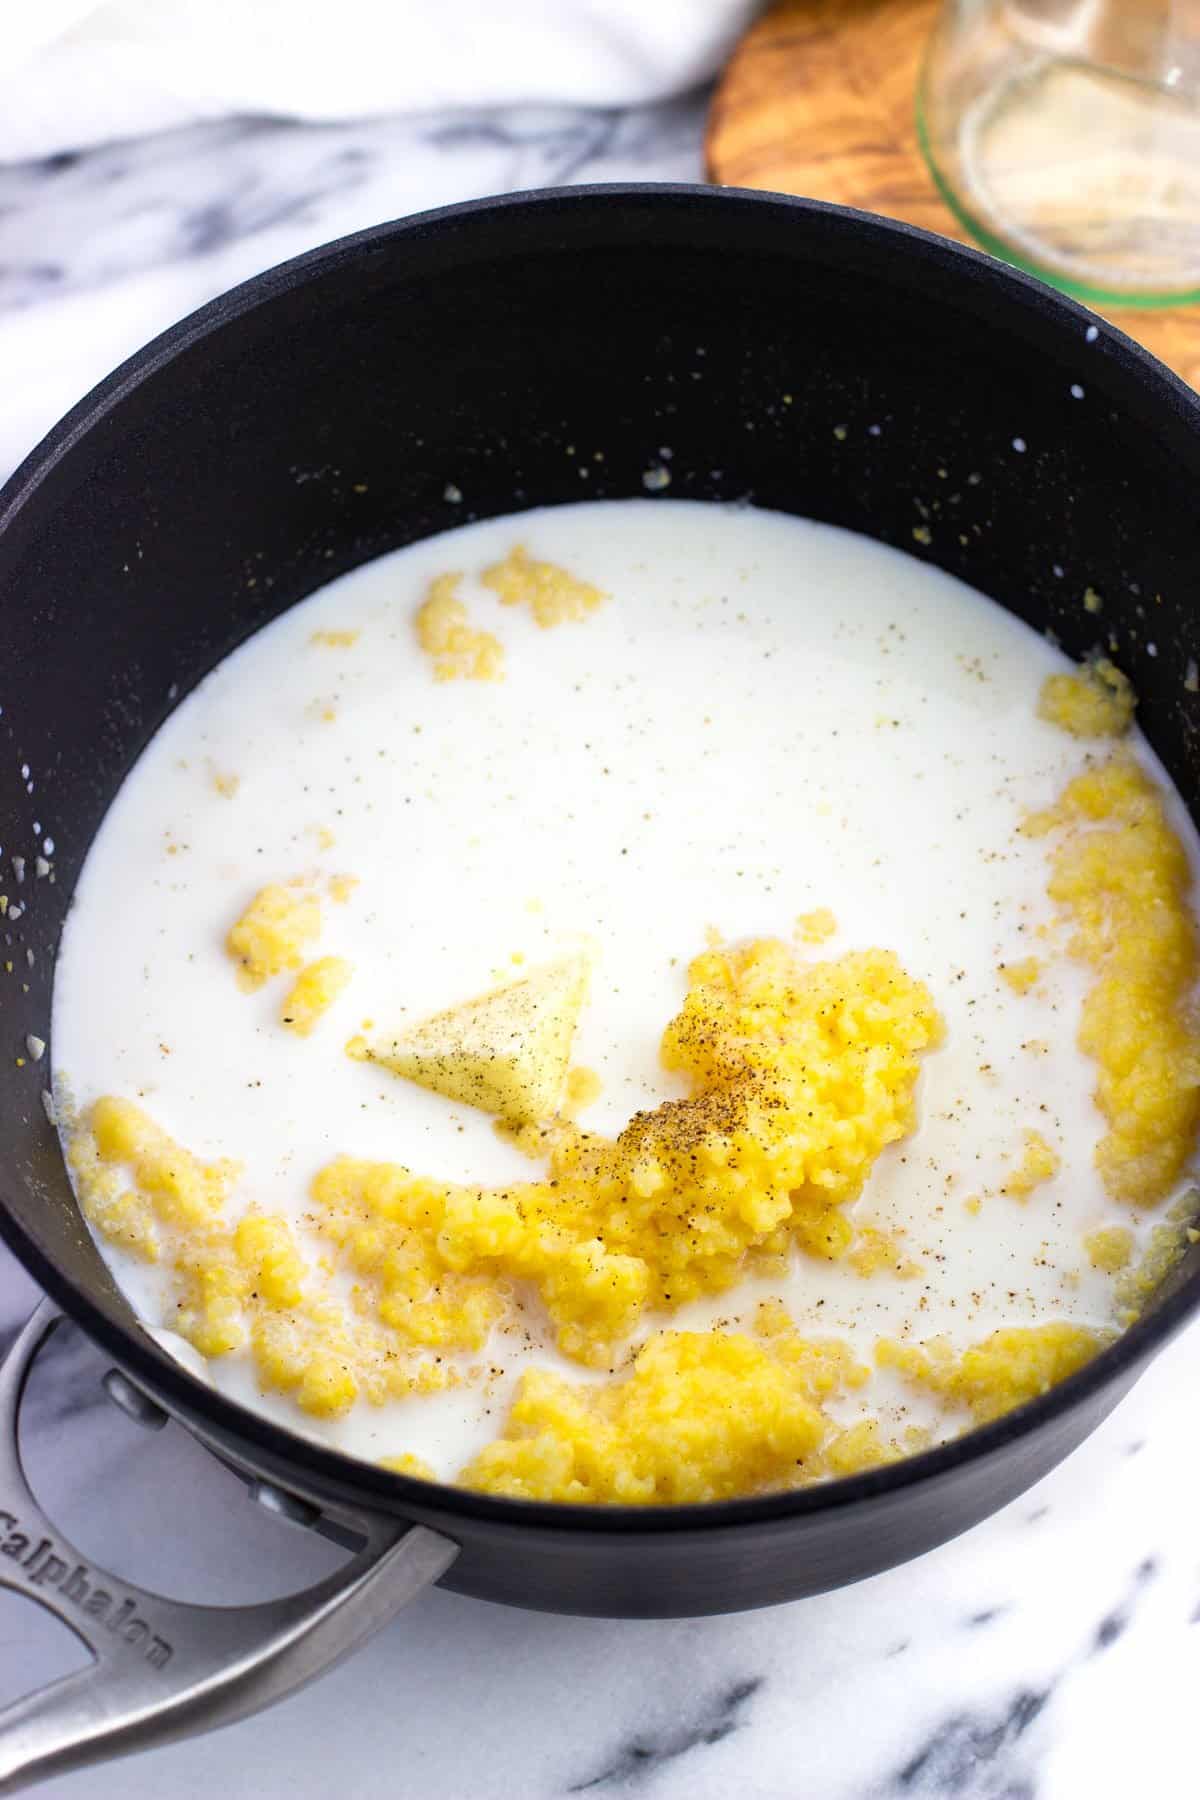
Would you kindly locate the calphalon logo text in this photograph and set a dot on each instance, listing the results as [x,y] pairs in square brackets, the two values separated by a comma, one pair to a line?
[43,1567]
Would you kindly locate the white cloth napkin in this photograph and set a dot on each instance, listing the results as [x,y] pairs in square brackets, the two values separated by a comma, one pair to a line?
[80,72]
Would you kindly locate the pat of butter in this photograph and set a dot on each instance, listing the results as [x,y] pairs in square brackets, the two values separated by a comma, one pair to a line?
[506,1052]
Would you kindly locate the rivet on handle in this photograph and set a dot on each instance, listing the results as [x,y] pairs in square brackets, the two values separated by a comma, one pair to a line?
[133,1403]
[277,1500]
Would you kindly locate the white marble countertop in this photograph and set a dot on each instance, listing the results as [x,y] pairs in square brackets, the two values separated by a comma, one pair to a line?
[1051,1654]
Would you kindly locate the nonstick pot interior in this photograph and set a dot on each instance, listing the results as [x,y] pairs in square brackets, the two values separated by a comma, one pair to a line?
[534,351]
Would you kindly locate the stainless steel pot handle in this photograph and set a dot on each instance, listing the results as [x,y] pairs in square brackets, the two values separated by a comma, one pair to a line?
[164,1669]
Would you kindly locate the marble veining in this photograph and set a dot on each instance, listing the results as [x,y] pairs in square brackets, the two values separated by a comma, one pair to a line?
[1051,1654]
[75,222]
[98,252]
[981,1755]
[640,1760]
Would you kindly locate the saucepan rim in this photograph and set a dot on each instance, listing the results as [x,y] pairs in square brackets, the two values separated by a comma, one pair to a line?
[326,1469]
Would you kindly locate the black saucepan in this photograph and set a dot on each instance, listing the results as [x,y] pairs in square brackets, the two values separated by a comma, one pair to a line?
[337,408]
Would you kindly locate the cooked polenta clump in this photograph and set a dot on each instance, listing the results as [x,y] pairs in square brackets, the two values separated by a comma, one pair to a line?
[1039,1162]
[444,632]
[552,594]
[1121,877]
[273,933]
[406,1463]
[814,927]
[878,1252]
[1022,975]
[1004,1370]
[313,992]
[167,1185]
[702,1416]
[245,1285]
[1093,701]
[1110,1248]
[800,1075]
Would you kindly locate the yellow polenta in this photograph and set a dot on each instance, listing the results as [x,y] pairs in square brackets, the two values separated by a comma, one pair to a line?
[246,1285]
[552,594]
[706,1415]
[1120,875]
[1094,701]
[1039,1162]
[445,633]
[1110,1248]
[800,1075]
[273,933]
[1004,1370]
[1021,976]
[167,1185]
[313,992]
[702,1416]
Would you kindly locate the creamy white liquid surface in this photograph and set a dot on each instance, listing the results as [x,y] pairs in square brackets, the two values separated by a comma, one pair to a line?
[766,716]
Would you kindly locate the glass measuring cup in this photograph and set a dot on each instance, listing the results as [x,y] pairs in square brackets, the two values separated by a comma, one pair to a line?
[1065,135]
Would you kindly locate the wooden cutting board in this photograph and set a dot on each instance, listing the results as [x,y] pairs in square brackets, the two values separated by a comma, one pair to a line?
[818,99]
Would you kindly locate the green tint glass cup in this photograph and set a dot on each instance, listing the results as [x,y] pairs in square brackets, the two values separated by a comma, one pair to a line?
[1065,135]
